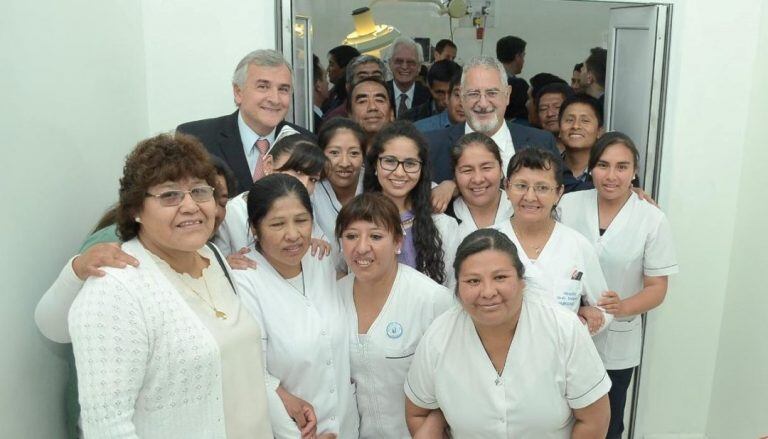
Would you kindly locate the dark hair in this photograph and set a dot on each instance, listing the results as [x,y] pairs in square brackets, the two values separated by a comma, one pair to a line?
[442,44]
[165,157]
[474,138]
[344,54]
[609,139]
[578,66]
[563,89]
[585,99]
[596,62]
[379,81]
[265,191]
[455,80]
[541,79]
[426,238]
[535,158]
[330,128]
[317,69]
[372,207]
[362,60]
[223,170]
[305,156]
[482,240]
[442,71]
[507,48]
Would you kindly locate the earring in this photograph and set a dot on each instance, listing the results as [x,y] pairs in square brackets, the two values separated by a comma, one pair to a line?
[137,219]
[397,252]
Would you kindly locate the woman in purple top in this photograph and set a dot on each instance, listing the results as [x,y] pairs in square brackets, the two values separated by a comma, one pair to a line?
[397,165]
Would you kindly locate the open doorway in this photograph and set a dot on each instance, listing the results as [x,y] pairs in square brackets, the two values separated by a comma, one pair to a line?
[559,35]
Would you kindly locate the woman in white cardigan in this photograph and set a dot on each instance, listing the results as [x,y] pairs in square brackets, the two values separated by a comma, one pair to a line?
[165,349]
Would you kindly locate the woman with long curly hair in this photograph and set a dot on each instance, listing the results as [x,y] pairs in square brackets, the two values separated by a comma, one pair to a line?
[397,165]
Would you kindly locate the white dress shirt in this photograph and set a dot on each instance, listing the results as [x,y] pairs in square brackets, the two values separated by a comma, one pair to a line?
[249,138]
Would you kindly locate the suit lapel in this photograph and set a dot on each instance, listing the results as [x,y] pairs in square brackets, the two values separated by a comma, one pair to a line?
[232,149]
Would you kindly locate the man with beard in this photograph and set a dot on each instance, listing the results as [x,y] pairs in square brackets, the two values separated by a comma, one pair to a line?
[484,95]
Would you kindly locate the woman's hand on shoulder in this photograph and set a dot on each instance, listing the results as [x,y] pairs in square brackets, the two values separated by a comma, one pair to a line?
[442,194]
[104,254]
[320,248]
[302,413]
[239,260]
[592,317]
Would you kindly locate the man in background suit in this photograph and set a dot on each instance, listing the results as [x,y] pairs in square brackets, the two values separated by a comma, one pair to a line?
[510,51]
[484,94]
[438,79]
[262,88]
[405,61]
[592,77]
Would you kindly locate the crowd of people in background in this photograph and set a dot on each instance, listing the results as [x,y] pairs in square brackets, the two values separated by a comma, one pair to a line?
[466,255]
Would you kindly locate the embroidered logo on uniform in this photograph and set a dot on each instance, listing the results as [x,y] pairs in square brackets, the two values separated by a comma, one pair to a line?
[394,330]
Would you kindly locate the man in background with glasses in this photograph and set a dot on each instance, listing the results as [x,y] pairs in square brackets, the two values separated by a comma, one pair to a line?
[404,62]
[484,98]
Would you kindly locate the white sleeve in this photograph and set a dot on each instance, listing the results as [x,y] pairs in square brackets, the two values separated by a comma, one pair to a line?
[53,308]
[659,258]
[585,377]
[444,300]
[111,345]
[449,232]
[223,238]
[594,284]
[420,383]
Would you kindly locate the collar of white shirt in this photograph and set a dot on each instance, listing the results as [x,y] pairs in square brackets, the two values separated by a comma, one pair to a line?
[317,110]
[249,137]
[502,137]
[408,93]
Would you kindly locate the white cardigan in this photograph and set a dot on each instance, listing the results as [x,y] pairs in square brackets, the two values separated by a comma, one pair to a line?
[147,366]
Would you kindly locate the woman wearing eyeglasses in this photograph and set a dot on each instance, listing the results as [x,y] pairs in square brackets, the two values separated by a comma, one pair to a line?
[478,175]
[558,260]
[294,297]
[296,155]
[634,243]
[165,349]
[397,165]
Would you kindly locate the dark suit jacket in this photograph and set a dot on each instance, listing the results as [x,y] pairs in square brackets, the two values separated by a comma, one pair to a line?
[441,141]
[517,98]
[221,137]
[423,111]
[421,94]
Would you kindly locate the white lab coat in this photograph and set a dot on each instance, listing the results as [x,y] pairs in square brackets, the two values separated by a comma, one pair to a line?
[467,223]
[234,232]
[551,368]
[327,206]
[637,243]
[381,357]
[305,338]
[449,230]
[553,273]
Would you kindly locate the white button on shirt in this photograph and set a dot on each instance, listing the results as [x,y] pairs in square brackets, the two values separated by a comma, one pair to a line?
[552,367]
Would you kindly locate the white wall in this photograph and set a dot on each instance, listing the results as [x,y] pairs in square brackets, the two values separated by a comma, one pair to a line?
[739,403]
[73,104]
[83,82]
[559,34]
[705,190]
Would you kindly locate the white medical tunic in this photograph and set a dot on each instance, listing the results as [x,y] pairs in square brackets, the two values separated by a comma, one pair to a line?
[637,243]
[467,223]
[327,206]
[567,268]
[305,337]
[381,357]
[234,232]
[551,368]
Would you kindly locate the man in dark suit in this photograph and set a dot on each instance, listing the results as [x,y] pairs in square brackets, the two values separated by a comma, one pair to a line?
[593,74]
[484,95]
[404,62]
[262,90]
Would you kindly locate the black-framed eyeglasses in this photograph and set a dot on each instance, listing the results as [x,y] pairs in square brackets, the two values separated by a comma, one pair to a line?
[390,163]
[199,194]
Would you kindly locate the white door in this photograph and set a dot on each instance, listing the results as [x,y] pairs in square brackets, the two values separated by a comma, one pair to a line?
[635,80]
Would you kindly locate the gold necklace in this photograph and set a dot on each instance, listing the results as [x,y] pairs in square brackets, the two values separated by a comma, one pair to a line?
[217,312]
